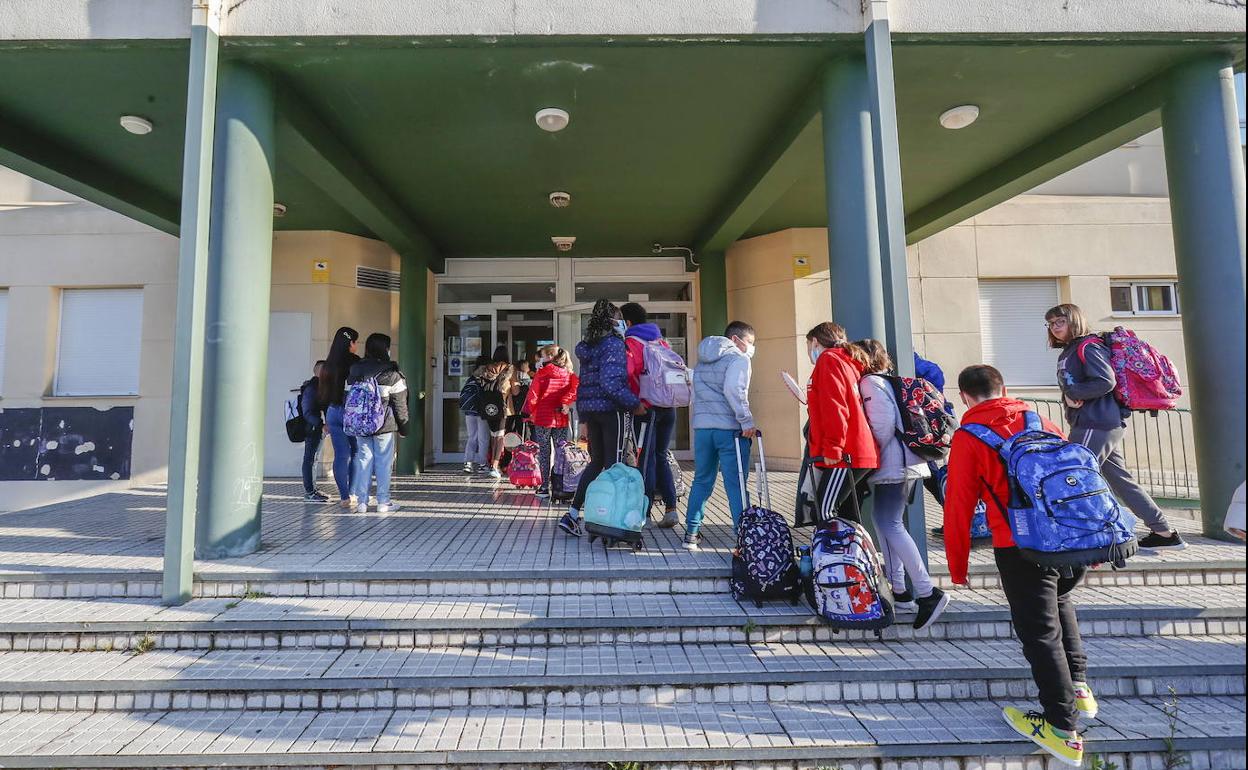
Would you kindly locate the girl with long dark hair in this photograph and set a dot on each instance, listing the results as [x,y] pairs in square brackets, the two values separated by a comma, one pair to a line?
[375,453]
[331,391]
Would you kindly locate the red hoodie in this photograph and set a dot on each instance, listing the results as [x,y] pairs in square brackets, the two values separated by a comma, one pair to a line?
[974,469]
[840,436]
[553,387]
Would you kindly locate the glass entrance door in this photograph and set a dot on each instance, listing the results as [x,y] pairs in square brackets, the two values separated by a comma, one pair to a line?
[464,337]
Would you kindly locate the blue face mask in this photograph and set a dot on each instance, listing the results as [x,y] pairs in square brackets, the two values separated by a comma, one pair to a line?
[621,326]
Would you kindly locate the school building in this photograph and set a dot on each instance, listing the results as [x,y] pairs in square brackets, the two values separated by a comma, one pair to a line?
[199,194]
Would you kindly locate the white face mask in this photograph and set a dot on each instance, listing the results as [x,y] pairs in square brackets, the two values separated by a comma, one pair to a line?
[749,350]
[621,326]
[815,352]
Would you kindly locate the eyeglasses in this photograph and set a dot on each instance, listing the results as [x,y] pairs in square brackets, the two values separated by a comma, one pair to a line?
[1056,322]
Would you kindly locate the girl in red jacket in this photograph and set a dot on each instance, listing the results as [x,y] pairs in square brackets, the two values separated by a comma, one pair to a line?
[840,441]
[550,399]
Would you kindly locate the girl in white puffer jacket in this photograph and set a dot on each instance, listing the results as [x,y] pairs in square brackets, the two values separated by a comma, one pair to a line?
[892,485]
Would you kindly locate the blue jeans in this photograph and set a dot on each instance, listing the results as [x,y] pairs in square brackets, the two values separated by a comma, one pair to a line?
[713,451]
[374,455]
[660,425]
[344,450]
[310,445]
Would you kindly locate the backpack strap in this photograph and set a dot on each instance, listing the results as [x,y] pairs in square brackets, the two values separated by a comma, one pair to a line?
[1032,421]
[1090,339]
[986,435]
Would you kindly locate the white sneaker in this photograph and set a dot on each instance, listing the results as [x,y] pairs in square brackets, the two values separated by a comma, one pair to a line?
[388,507]
[361,508]
[495,473]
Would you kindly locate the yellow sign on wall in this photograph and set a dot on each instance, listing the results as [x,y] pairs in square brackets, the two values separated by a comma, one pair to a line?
[320,271]
[801,265]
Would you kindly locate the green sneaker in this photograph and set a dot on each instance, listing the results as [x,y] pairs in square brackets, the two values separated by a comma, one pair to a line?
[1032,725]
[1085,701]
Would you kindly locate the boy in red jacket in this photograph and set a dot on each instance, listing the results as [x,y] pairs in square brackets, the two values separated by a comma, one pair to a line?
[1041,608]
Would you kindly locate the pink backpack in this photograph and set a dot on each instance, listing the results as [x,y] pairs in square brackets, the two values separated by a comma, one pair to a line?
[523,470]
[1146,379]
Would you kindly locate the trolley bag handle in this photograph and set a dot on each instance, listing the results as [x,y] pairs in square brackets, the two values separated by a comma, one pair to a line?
[764,493]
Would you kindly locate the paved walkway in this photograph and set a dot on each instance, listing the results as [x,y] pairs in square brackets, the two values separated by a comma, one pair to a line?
[450,526]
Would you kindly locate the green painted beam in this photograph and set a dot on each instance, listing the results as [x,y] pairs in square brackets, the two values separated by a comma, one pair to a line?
[28,152]
[1105,128]
[778,165]
[712,293]
[413,357]
[308,144]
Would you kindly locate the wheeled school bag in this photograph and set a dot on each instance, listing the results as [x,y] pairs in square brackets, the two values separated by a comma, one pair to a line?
[615,507]
[926,428]
[1061,512]
[365,410]
[665,379]
[846,589]
[569,463]
[763,567]
[678,477]
[1144,379]
[524,471]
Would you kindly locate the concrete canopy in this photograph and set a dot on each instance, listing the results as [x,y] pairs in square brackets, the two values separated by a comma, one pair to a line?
[663,137]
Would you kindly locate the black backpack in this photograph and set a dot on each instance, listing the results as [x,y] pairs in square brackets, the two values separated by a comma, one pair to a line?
[470,396]
[296,421]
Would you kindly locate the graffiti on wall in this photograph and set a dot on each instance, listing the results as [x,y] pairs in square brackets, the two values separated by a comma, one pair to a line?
[66,443]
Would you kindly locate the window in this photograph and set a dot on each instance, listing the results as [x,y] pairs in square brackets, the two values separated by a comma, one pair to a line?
[1144,298]
[98,348]
[1011,322]
[4,315]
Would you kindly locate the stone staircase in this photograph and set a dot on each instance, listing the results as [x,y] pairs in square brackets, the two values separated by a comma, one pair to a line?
[579,665]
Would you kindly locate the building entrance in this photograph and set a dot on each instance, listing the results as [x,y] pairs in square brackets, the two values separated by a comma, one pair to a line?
[540,301]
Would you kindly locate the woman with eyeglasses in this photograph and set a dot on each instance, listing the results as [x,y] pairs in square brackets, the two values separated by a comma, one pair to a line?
[1095,417]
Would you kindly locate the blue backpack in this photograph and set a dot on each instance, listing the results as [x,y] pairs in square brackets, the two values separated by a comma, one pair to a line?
[1061,512]
[364,412]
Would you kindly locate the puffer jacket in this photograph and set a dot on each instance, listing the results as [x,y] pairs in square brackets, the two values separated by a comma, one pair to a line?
[897,462]
[839,434]
[721,386]
[553,388]
[604,377]
[393,387]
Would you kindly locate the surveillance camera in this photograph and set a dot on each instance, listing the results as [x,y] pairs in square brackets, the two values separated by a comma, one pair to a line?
[656,248]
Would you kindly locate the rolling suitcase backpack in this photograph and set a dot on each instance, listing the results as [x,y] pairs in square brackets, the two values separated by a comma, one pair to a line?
[615,506]
[524,470]
[568,465]
[763,567]
[846,588]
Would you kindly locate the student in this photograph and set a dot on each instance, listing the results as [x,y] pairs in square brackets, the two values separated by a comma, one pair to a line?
[660,421]
[477,443]
[931,371]
[548,404]
[721,418]
[497,386]
[314,415]
[375,453]
[331,391]
[603,401]
[892,485]
[1096,418]
[840,443]
[1041,607]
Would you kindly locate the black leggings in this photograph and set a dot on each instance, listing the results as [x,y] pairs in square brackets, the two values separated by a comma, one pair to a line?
[607,431]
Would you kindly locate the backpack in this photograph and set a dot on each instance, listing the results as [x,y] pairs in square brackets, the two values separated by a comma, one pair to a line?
[1061,512]
[524,469]
[364,411]
[846,588]
[615,506]
[763,566]
[570,462]
[296,423]
[470,396]
[1145,379]
[665,379]
[926,427]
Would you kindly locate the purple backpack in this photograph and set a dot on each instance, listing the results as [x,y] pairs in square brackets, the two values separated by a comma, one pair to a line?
[365,409]
[664,377]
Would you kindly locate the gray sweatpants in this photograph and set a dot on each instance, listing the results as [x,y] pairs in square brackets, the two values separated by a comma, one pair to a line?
[1107,446]
[477,447]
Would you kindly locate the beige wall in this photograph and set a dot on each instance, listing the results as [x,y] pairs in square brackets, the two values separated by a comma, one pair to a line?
[1083,242]
[52,246]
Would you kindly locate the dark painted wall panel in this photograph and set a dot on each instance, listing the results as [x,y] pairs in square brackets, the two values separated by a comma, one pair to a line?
[68,443]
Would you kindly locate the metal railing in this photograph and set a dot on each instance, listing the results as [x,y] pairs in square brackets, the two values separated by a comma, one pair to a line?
[1159,448]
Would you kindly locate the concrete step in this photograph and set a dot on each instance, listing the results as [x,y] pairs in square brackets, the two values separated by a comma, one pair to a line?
[327,622]
[595,674]
[967,734]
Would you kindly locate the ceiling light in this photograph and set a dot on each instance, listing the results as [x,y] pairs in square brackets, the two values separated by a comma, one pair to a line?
[551,119]
[959,117]
[136,125]
[560,200]
[279,209]
[563,242]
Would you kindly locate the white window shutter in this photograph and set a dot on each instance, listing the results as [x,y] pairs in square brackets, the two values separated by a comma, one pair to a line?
[98,353]
[4,320]
[1011,322]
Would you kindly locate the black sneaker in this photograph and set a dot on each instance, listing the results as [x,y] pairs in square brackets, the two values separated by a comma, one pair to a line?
[315,496]
[930,608]
[904,602]
[571,524]
[938,531]
[1156,542]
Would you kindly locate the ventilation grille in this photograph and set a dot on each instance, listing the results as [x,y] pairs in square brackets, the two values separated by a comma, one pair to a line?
[372,278]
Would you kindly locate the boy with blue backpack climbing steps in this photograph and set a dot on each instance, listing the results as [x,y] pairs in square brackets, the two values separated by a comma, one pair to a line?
[1052,515]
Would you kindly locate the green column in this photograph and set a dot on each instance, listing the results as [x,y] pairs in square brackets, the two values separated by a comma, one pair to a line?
[1205,169]
[188,353]
[240,250]
[712,293]
[853,218]
[413,358]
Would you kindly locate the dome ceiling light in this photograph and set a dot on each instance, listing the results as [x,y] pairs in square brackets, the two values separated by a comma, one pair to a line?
[135,124]
[959,117]
[552,119]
